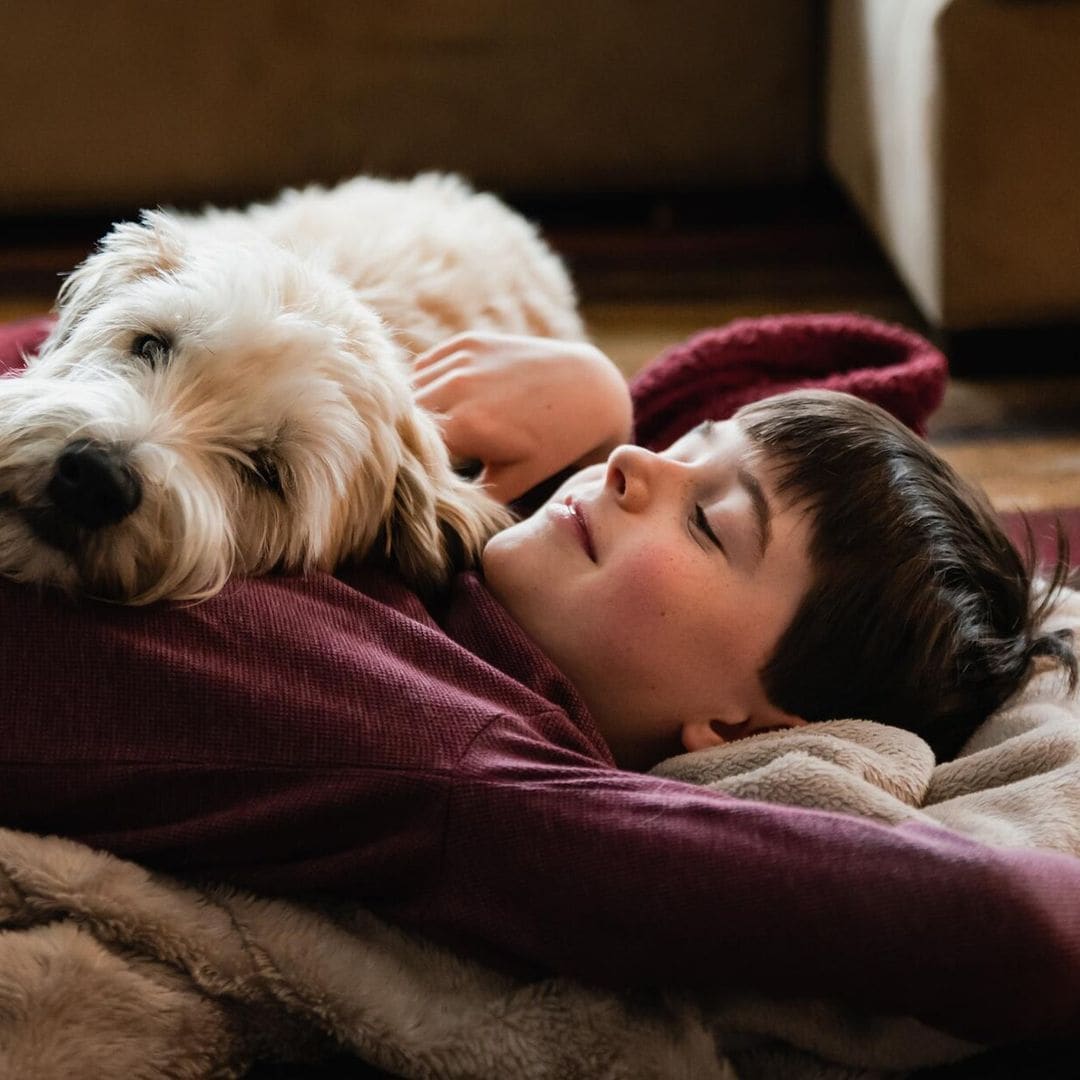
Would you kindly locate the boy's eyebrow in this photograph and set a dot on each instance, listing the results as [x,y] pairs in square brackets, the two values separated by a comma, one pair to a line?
[762,510]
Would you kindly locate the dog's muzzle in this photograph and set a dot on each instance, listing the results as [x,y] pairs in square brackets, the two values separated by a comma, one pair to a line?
[93,485]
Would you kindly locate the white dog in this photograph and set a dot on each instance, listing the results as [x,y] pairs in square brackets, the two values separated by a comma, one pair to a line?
[229,393]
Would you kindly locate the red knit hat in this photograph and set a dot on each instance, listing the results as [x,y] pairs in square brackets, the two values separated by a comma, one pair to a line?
[716,371]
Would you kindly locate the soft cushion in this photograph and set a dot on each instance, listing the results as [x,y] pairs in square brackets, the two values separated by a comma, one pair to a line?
[717,371]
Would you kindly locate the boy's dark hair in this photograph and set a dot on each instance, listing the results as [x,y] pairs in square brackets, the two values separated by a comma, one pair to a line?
[921,613]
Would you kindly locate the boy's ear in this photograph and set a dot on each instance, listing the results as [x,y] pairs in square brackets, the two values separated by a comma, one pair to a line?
[705,734]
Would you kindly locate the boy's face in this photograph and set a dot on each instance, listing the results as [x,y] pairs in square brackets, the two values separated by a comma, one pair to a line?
[660,626]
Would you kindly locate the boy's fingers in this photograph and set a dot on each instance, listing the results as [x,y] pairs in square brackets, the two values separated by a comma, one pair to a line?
[448,350]
[440,399]
[426,359]
[470,344]
[468,341]
[439,367]
[449,389]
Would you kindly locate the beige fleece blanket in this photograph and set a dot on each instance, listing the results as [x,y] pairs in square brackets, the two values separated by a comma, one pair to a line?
[108,971]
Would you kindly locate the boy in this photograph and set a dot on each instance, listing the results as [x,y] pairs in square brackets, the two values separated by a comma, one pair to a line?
[453,767]
[852,572]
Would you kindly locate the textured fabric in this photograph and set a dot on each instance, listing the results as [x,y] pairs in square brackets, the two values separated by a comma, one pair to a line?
[717,371]
[325,734]
[107,972]
[89,972]
[272,734]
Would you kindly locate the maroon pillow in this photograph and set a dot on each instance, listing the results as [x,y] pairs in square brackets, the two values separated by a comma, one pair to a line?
[717,371]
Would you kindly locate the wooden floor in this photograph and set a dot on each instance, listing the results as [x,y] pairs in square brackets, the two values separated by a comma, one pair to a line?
[646,287]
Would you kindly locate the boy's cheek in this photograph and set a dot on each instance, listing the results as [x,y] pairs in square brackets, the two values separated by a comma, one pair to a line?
[649,589]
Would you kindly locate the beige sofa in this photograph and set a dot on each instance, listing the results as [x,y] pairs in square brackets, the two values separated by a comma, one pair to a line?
[954,126]
[119,103]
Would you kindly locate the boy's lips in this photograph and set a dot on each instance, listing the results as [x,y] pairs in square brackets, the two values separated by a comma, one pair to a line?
[581,522]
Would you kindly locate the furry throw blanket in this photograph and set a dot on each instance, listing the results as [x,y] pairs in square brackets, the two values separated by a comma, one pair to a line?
[109,971]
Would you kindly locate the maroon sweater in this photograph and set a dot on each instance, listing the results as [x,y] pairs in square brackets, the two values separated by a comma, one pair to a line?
[333,734]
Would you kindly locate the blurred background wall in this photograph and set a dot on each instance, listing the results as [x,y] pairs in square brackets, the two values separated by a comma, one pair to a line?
[121,102]
[949,124]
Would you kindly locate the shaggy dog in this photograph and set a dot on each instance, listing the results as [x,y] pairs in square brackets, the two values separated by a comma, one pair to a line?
[229,393]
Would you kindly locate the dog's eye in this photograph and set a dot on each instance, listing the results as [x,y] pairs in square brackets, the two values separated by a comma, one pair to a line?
[264,470]
[153,349]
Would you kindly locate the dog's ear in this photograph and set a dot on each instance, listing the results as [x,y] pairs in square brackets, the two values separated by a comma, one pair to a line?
[130,250]
[439,522]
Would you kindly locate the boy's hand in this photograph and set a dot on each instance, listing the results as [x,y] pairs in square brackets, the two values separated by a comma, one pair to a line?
[524,407]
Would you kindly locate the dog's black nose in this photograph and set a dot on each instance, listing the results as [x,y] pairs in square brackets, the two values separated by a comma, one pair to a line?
[93,485]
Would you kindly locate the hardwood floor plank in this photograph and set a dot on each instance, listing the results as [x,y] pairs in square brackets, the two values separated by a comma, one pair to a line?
[991,408]
[22,307]
[1021,473]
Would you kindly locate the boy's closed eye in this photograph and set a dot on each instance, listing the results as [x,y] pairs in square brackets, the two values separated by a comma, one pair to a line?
[701,521]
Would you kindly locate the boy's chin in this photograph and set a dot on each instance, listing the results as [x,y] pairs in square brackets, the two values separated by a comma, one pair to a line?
[492,556]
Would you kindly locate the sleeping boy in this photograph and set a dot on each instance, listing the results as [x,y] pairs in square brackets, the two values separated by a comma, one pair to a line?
[472,768]
[749,577]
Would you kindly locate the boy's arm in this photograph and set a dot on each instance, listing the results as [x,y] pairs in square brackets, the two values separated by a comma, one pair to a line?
[621,878]
[525,408]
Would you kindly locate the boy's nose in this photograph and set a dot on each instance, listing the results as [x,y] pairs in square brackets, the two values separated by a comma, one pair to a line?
[632,473]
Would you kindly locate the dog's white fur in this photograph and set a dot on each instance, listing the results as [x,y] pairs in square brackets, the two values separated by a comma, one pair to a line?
[248,373]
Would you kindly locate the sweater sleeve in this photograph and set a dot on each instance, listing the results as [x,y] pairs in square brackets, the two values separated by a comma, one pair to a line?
[619,877]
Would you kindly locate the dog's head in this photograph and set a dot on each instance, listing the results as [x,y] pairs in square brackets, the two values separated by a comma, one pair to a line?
[208,405]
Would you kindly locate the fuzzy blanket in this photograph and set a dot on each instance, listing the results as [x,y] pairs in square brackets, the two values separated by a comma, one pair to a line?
[109,971]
